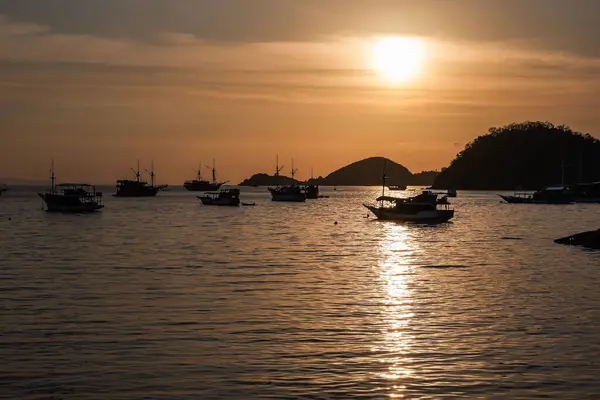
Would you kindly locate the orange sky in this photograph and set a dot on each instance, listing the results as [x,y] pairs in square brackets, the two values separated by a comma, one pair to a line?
[97,100]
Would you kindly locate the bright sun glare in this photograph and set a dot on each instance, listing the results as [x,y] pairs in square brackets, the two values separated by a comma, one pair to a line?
[397,59]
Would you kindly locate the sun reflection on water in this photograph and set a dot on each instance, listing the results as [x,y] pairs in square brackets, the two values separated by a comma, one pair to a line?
[396,274]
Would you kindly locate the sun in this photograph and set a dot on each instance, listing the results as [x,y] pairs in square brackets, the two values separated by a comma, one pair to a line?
[397,59]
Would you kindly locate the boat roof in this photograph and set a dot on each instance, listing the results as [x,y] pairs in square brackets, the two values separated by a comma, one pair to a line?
[555,188]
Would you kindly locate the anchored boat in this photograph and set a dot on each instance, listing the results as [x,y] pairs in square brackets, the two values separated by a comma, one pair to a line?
[71,197]
[137,187]
[548,195]
[424,207]
[201,185]
[289,193]
[224,197]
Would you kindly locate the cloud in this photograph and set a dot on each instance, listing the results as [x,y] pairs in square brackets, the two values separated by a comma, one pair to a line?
[571,26]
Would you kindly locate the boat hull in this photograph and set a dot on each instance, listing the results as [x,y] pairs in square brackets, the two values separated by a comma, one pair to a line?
[421,216]
[149,192]
[295,198]
[289,195]
[207,201]
[58,204]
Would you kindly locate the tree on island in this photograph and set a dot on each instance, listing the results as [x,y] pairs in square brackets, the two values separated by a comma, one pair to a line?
[527,155]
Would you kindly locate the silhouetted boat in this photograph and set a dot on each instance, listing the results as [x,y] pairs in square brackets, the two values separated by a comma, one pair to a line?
[71,197]
[137,187]
[585,192]
[201,185]
[548,195]
[312,191]
[397,187]
[421,208]
[248,204]
[224,197]
[2,190]
[289,193]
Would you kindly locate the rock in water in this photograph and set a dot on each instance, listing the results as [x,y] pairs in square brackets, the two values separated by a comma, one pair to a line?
[590,239]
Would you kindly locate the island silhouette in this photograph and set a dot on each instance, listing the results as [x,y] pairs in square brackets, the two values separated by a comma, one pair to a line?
[526,155]
[365,172]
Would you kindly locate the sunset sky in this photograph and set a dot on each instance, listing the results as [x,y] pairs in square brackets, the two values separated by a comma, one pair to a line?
[98,84]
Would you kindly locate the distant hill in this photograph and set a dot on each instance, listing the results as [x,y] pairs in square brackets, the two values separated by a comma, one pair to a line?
[365,172]
[263,179]
[368,172]
[425,178]
[527,155]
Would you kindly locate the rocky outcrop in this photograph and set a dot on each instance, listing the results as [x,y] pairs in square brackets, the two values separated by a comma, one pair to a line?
[590,239]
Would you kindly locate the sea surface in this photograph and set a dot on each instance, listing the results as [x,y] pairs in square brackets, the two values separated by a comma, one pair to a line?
[163,298]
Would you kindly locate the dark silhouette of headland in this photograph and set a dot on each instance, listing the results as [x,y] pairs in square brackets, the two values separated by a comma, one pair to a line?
[527,155]
[365,172]
[589,239]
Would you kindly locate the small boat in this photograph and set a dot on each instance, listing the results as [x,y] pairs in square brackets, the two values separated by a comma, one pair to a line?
[421,208]
[201,185]
[585,192]
[248,204]
[321,196]
[2,190]
[289,193]
[71,197]
[224,197]
[137,187]
[397,187]
[548,195]
[312,191]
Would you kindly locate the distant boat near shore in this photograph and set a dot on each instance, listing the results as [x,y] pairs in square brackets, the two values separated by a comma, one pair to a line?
[289,193]
[137,187]
[548,195]
[201,185]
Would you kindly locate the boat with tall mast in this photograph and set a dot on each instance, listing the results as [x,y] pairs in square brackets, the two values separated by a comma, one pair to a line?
[290,193]
[137,187]
[71,197]
[421,208]
[311,189]
[202,185]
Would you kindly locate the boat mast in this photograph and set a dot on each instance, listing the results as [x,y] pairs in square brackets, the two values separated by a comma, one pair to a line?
[277,167]
[199,171]
[293,170]
[383,178]
[137,172]
[52,177]
[151,173]
[214,173]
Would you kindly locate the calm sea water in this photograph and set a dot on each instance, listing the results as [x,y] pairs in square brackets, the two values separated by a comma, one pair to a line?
[162,298]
